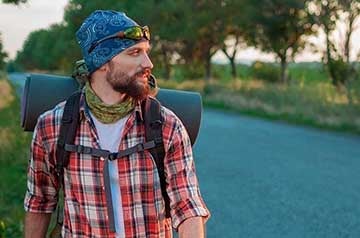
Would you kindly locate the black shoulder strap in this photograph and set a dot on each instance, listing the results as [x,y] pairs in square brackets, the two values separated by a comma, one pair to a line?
[151,109]
[68,126]
[69,123]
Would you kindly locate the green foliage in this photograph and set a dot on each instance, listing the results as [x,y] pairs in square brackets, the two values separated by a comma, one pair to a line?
[47,49]
[308,73]
[278,26]
[14,152]
[180,37]
[12,66]
[14,1]
[341,72]
[337,54]
[265,71]
[3,55]
[222,72]
[185,72]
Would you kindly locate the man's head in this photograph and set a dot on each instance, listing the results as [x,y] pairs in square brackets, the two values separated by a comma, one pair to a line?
[118,47]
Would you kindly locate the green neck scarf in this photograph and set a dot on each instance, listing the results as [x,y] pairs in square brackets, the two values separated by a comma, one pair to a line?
[107,113]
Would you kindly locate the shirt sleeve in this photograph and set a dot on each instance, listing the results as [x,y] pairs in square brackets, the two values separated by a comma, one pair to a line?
[182,183]
[41,193]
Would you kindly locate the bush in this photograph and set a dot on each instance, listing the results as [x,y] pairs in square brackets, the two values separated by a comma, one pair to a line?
[265,71]
[221,72]
[187,71]
[12,66]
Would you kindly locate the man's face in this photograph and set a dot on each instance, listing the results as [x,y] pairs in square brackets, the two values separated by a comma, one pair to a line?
[129,71]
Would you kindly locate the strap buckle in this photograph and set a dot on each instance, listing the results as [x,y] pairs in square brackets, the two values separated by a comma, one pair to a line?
[112,156]
[140,147]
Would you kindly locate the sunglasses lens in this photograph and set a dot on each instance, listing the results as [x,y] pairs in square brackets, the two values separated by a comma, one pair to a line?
[134,33]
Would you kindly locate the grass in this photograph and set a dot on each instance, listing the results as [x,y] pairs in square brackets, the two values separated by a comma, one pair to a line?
[14,154]
[309,99]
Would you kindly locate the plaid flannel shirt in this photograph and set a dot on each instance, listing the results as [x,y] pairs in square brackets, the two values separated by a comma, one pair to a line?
[85,212]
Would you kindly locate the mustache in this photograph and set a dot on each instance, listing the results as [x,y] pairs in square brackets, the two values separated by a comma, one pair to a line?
[146,71]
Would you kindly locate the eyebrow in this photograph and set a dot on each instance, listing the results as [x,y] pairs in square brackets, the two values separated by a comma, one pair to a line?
[138,48]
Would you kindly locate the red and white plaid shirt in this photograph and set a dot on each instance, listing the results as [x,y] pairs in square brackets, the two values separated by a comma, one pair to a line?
[86,213]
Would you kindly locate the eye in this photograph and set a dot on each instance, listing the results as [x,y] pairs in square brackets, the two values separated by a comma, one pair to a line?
[135,52]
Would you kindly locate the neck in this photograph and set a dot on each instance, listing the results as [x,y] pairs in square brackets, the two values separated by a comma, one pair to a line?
[106,93]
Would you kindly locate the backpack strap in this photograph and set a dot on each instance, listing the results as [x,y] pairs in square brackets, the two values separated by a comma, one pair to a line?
[151,109]
[69,123]
[68,126]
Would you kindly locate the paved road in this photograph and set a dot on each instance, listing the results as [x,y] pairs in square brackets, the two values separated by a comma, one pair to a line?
[267,179]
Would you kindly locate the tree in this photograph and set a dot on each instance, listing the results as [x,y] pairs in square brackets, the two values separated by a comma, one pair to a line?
[203,33]
[3,55]
[336,57]
[279,27]
[44,50]
[166,38]
[328,15]
[181,34]
[14,1]
[178,35]
[234,30]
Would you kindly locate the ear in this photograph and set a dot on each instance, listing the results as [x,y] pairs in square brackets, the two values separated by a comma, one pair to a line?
[104,67]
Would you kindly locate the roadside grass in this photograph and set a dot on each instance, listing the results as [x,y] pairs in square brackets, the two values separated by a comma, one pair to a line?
[14,154]
[312,102]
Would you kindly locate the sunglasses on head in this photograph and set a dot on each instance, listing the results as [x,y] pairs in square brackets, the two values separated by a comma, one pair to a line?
[133,33]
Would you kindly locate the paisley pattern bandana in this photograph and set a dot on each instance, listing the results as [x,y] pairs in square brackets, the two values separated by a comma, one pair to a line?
[99,24]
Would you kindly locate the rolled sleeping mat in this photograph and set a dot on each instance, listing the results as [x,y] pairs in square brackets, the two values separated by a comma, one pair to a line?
[43,91]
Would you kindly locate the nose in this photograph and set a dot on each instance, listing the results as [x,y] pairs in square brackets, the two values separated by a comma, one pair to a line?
[146,62]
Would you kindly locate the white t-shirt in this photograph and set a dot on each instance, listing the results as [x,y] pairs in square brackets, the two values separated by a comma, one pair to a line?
[109,139]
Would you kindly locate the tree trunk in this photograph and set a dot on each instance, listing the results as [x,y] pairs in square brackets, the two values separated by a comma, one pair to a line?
[283,74]
[167,70]
[208,68]
[348,93]
[208,65]
[350,29]
[233,67]
[232,57]
[329,59]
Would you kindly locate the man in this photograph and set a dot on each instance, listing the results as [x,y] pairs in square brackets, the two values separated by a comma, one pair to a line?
[115,49]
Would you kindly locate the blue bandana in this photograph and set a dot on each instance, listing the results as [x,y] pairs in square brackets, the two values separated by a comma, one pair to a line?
[98,25]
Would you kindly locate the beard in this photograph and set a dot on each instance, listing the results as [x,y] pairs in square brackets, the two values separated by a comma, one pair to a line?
[129,85]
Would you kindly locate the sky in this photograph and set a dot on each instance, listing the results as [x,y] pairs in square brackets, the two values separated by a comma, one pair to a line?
[16,22]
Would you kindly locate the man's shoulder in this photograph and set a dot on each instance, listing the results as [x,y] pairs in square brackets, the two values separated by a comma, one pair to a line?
[168,114]
[51,117]
[170,119]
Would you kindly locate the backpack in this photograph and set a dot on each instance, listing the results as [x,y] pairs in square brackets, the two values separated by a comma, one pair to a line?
[151,109]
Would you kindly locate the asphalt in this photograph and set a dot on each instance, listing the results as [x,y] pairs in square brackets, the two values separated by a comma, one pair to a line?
[270,179]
